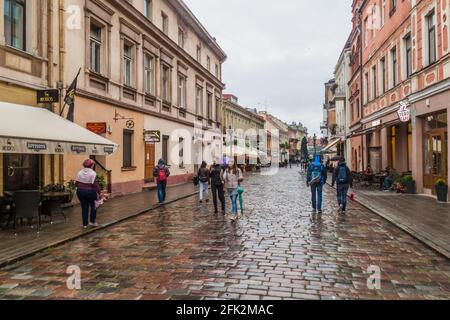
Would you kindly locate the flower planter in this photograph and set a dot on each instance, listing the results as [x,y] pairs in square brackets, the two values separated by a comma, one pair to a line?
[410,187]
[442,192]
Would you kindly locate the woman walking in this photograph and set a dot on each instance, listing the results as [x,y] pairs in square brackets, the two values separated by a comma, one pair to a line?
[232,177]
[88,191]
[203,179]
[217,185]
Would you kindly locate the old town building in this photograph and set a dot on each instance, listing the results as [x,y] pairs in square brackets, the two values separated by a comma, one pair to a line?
[150,80]
[246,130]
[406,82]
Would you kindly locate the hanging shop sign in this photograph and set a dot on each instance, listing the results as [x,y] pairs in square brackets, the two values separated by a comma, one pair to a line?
[404,113]
[152,136]
[97,127]
[47,96]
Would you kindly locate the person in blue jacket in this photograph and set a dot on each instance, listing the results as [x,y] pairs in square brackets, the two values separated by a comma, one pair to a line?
[316,178]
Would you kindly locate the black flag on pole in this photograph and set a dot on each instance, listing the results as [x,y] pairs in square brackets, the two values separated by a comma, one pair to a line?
[70,98]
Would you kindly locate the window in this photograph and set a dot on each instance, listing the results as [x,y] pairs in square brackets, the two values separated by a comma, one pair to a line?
[148,73]
[127,148]
[182,92]
[366,32]
[408,56]
[199,102]
[199,54]
[210,106]
[181,37]
[394,66]
[374,82]
[374,21]
[164,23]
[127,64]
[383,12]
[431,37]
[208,63]
[383,75]
[218,120]
[366,88]
[148,9]
[181,153]
[165,81]
[393,147]
[393,7]
[165,149]
[217,71]
[14,17]
[357,108]
[96,48]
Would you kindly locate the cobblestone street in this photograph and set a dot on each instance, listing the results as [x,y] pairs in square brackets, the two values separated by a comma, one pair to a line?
[279,250]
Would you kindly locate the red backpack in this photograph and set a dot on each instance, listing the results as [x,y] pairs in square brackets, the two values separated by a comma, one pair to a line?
[162,177]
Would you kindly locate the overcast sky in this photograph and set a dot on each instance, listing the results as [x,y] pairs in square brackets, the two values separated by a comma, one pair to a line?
[280,53]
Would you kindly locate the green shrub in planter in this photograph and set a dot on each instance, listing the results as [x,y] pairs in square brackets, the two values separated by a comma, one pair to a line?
[441,190]
[410,184]
[101,181]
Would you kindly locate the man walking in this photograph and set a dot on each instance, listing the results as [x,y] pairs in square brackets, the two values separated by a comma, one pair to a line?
[161,173]
[316,178]
[342,176]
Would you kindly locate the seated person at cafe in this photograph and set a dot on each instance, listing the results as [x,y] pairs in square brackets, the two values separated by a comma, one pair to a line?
[388,178]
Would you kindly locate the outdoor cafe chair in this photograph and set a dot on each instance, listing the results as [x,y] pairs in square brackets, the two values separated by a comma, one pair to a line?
[5,209]
[27,205]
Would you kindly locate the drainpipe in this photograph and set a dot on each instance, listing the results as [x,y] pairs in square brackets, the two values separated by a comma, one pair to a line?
[361,83]
[62,51]
[50,76]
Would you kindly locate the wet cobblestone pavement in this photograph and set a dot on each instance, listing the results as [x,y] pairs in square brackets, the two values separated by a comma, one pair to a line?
[279,250]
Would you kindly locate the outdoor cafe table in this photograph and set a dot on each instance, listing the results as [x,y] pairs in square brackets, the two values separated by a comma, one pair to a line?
[52,201]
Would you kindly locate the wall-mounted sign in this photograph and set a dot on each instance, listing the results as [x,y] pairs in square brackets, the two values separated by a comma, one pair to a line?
[97,127]
[130,124]
[404,113]
[47,96]
[152,136]
[376,123]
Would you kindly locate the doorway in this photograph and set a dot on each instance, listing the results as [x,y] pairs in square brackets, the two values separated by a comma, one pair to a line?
[435,159]
[149,163]
[22,171]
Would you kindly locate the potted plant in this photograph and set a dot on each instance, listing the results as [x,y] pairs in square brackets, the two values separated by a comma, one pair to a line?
[410,184]
[71,188]
[441,190]
[101,181]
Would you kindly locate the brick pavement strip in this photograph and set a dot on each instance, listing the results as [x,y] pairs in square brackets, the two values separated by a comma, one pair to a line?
[279,250]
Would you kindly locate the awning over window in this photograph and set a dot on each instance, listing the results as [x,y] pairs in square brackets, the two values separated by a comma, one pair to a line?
[35,130]
[328,148]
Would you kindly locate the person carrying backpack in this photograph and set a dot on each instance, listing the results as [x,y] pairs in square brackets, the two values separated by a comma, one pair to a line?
[316,178]
[161,173]
[343,179]
[203,179]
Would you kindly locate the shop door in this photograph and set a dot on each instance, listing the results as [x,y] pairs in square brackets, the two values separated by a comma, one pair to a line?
[149,162]
[21,172]
[436,146]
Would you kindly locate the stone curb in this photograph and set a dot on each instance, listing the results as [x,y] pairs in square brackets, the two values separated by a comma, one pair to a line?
[22,256]
[416,235]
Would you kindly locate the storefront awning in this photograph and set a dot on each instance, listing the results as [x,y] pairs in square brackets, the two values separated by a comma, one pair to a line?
[327,149]
[33,130]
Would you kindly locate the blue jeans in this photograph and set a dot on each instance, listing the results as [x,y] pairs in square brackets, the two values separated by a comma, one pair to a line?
[342,191]
[234,198]
[316,191]
[162,191]
[87,200]
[204,194]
